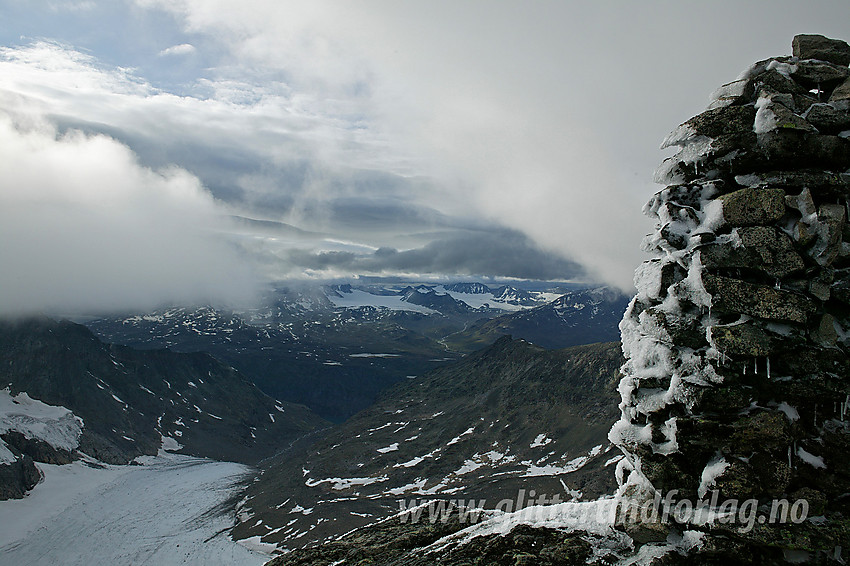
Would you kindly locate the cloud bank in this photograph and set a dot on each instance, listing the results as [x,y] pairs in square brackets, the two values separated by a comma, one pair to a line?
[543,117]
[86,228]
[462,137]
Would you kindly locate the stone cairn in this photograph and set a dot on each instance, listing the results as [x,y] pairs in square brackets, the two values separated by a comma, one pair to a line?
[737,379]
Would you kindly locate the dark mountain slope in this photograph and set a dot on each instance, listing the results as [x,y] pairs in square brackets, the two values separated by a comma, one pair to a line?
[312,357]
[580,317]
[129,398]
[513,416]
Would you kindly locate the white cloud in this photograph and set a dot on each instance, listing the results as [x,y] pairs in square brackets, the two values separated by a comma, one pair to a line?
[181,49]
[545,117]
[72,6]
[86,228]
[486,99]
[240,134]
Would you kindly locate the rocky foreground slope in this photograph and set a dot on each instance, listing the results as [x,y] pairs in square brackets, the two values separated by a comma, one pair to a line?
[735,392]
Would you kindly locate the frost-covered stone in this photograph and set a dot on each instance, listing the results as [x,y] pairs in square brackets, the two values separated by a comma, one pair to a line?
[813,181]
[713,124]
[813,46]
[831,219]
[737,343]
[772,115]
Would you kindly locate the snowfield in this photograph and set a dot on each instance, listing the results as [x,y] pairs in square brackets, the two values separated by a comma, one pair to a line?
[55,425]
[172,510]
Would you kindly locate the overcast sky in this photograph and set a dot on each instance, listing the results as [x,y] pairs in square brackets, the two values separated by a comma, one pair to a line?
[423,138]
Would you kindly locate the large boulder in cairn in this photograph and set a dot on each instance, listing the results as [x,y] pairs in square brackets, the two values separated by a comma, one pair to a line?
[752,257]
[811,46]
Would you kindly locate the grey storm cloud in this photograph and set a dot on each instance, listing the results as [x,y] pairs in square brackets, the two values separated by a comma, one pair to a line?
[501,253]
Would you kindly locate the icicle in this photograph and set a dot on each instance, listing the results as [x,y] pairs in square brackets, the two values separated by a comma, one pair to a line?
[778,285]
[768,367]
[789,457]
[755,366]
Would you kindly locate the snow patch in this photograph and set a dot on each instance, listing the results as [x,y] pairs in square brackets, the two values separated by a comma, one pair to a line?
[811,459]
[540,440]
[57,426]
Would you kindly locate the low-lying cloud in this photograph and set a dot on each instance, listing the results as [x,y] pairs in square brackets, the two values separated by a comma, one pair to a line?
[85,227]
[499,253]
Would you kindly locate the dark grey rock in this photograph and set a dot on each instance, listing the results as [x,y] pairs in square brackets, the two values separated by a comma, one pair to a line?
[824,333]
[778,82]
[841,290]
[830,152]
[735,296]
[827,119]
[36,449]
[820,284]
[813,46]
[816,74]
[720,121]
[763,248]
[841,92]
[822,183]
[831,221]
[17,478]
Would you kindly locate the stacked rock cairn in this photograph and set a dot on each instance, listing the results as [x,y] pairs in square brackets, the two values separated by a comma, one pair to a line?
[737,379]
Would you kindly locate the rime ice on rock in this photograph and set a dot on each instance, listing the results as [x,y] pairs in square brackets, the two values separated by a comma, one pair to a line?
[737,374]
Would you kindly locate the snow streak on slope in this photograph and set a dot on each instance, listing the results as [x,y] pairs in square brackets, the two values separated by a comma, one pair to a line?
[169,511]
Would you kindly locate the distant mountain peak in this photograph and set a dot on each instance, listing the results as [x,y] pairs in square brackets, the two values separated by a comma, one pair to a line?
[471,288]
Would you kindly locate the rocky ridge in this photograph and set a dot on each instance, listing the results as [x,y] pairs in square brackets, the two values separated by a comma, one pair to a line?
[66,395]
[737,374]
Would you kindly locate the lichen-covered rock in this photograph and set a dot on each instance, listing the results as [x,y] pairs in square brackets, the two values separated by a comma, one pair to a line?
[747,339]
[731,296]
[752,207]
